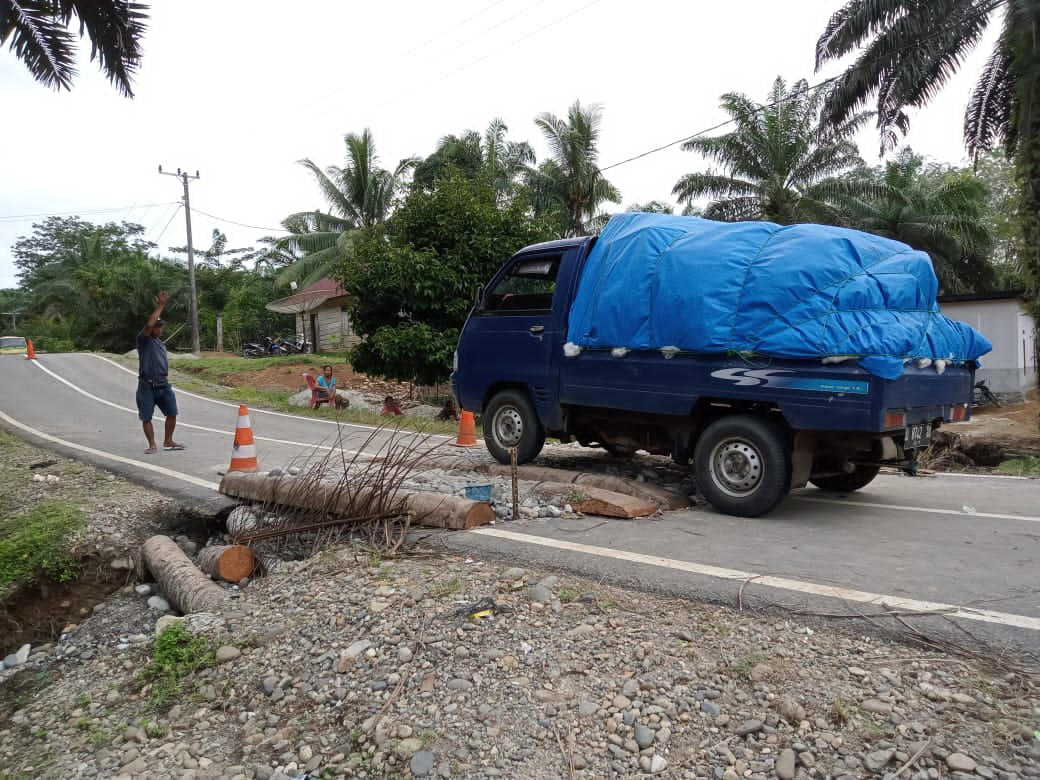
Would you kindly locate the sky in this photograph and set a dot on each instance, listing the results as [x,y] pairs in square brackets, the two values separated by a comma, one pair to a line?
[240,91]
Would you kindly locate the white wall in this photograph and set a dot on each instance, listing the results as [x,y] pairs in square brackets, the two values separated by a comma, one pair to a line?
[1011,367]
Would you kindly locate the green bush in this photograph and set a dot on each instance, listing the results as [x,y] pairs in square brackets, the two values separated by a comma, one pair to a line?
[1026,466]
[178,654]
[34,544]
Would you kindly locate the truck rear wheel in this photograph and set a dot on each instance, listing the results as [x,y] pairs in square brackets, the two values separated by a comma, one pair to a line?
[743,465]
[846,483]
[511,421]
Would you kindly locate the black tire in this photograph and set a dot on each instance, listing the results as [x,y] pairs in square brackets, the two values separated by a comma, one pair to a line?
[510,421]
[846,483]
[742,465]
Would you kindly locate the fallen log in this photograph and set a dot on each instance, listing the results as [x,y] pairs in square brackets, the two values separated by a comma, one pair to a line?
[241,519]
[231,562]
[184,585]
[661,497]
[430,509]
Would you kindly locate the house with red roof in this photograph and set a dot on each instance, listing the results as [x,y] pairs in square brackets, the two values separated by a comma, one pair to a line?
[321,312]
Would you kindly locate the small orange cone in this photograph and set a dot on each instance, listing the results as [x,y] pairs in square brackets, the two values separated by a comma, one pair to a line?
[467,431]
[243,455]
[30,353]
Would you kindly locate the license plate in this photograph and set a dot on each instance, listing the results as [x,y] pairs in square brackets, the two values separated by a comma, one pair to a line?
[917,436]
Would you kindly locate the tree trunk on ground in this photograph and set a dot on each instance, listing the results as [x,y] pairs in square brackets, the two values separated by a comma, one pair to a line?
[186,588]
[228,562]
[436,510]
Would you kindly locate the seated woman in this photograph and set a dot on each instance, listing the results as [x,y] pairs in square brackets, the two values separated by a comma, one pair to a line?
[327,387]
[390,407]
[448,412]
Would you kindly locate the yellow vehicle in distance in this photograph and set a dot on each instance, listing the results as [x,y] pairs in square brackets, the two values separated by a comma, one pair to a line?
[12,345]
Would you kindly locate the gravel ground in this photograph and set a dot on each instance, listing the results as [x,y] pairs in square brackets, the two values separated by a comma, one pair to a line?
[346,664]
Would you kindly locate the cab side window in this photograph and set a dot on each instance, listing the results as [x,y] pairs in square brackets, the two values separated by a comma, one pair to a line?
[527,287]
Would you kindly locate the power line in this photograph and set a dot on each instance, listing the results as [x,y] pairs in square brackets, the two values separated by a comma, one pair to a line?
[22,217]
[402,95]
[240,224]
[699,133]
[984,11]
[174,214]
[434,58]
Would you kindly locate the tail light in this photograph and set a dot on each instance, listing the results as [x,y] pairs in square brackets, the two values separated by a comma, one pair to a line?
[895,420]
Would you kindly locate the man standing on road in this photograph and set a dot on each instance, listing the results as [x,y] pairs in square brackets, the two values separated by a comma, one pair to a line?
[153,385]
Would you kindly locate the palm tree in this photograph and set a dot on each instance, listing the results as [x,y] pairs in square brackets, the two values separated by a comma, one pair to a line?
[570,182]
[40,38]
[492,155]
[935,209]
[779,163]
[360,195]
[908,50]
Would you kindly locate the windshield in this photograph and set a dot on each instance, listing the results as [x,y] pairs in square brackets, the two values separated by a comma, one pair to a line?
[12,342]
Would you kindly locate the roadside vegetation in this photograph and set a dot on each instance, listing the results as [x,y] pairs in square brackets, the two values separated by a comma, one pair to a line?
[1028,466]
[209,376]
[177,655]
[34,544]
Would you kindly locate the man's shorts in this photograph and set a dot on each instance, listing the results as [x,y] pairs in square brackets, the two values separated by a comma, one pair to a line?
[150,396]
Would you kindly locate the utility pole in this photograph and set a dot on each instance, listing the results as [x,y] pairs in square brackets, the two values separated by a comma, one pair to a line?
[185,178]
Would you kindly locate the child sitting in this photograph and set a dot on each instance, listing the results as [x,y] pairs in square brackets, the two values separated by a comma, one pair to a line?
[390,407]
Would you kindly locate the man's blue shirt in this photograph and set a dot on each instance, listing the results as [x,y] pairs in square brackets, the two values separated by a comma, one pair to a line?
[152,356]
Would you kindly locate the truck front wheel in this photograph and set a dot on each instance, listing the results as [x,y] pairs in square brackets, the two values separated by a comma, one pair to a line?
[846,483]
[511,421]
[743,465]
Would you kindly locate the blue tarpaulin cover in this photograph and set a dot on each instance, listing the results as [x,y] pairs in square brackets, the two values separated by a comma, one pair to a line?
[657,281]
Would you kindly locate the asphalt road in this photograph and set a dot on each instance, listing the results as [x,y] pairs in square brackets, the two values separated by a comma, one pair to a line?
[955,556]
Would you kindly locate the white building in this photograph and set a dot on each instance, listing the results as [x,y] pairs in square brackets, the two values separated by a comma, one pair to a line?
[1010,369]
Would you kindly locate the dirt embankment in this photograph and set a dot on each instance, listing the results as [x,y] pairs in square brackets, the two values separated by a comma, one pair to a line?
[993,435]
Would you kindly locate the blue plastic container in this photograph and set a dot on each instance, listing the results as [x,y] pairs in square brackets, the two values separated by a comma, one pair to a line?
[478,492]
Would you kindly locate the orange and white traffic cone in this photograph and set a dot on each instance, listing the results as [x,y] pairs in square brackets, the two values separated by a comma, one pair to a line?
[243,455]
[30,353]
[467,431]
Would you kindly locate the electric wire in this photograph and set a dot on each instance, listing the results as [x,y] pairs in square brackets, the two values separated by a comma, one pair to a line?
[722,124]
[984,11]
[174,214]
[77,212]
[240,224]
[403,95]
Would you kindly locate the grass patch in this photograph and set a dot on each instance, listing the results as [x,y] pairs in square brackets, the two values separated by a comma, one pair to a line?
[34,544]
[178,654]
[1026,466]
[443,588]
[567,595]
[205,376]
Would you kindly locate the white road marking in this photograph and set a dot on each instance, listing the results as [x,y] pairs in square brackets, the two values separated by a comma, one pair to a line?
[180,424]
[109,456]
[905,508]
[360,426]
[783,583]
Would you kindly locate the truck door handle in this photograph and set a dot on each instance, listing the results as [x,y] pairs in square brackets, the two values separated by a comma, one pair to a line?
[537,329]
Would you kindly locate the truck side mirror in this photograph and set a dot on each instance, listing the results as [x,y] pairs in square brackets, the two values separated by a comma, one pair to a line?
[480,295]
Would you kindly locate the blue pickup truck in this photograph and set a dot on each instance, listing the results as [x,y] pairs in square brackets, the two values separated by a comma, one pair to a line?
[535,358]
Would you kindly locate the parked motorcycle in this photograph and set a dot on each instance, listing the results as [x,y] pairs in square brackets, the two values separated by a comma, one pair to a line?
[251,349]
[277,346]
[299,346]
